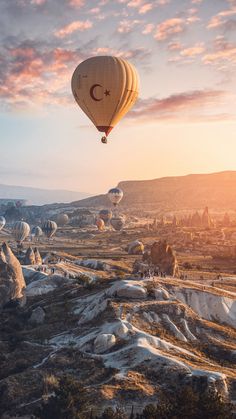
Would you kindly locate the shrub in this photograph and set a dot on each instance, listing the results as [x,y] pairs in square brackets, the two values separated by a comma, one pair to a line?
[68,401]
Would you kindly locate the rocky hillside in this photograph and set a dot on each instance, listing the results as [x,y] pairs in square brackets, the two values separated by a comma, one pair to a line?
[135,337]
[216,190]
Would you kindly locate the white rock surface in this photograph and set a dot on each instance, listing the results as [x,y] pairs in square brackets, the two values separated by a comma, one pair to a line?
[128,289]
[173,328]
[209,306]
[104,342]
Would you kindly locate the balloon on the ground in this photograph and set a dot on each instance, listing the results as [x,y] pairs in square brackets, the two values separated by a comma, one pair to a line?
[36,231]
[136,248]
[20,231]
[62,219]
[2,222]
[117,223]
[105,88]
[49,228]
[115,195]
[100,224]
[105,215]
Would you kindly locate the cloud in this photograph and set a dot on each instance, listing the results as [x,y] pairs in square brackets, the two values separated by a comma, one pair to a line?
[38,2]
[140,54]
[126,26]
[169,28]
[33,73]
[197,49]
[186,106]
[174,46]
[145,8]
[148,28]
[77,25]
[220,20]
[76,3]
[222,52]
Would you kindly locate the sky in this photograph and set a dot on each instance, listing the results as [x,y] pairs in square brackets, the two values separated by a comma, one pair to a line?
[183,122]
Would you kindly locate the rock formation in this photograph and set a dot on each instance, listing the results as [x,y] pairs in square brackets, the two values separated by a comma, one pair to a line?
[104,342]
[175,221]
[37,316]
[12,281]
[29,257]
[164,257]
[37,256]
[206,219]
[196,220]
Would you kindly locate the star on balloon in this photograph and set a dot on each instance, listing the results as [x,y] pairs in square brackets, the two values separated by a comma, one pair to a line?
[107,92]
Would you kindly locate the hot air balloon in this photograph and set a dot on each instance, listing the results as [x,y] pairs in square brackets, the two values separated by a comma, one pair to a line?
[100,224]
[115,195]
[2,222]
[62,219]
[36,231]
[105,88]
[117,223]
[49,228]
[105,215]
[20,231]
[136,248]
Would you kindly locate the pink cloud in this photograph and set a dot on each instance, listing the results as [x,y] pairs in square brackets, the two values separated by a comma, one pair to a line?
[174,46]
[219,19]
[126,26]
[222,52]
[135,3]
[38,2]
[76,3]
[145,8]
[77,25]
[168,28]
[187,106]
[197,49]
[148,28]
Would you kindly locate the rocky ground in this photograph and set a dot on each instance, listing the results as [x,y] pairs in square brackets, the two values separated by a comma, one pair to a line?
[123,337]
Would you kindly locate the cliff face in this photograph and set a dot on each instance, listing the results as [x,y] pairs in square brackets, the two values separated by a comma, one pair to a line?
[12,281]
[216,190]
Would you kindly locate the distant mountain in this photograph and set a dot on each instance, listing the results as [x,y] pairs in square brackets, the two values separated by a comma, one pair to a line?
[35,196]
[216,190]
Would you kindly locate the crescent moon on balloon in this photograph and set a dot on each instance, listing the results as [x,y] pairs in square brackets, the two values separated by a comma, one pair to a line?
[92,92]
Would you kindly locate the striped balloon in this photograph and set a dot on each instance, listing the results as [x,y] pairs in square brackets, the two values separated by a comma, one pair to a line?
[49,228]
[20,231]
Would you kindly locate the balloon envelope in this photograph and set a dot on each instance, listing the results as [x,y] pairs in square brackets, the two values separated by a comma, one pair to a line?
[49,228]
[2,222]
[62,219]
[20,231]
[105,215]
[117,223]
[136,248]
[36,231]
[100,224]
[115,195]
[105,88]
